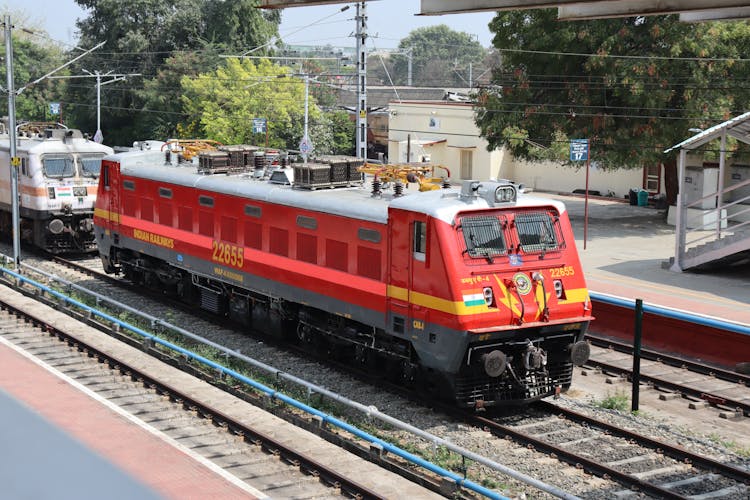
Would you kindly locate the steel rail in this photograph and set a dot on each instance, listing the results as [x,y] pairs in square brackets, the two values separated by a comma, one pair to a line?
[674,451]
[672,360]
[675,387]
[367,410]
[328,475]
[574,459]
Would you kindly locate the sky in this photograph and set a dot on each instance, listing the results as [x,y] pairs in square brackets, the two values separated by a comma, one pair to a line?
[388,22]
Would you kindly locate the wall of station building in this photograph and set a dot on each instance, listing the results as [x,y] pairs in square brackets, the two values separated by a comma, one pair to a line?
[444,133]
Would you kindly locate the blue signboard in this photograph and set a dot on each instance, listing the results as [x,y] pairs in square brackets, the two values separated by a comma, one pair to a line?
[579,149]
[54,108]
[259,125]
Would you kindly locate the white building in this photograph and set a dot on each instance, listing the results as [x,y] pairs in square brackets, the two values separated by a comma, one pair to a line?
[444,133]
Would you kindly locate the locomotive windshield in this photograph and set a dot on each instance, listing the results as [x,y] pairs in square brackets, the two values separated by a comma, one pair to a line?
[536,232]
[91,165]
[483,236]
[58,166]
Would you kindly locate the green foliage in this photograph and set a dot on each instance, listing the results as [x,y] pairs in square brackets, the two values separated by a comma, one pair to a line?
[223,103]
[619,401]
[440,57]
[31,60]
[632,86]
[161,41]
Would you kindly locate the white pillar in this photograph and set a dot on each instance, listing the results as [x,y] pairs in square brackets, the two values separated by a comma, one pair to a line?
[679,224]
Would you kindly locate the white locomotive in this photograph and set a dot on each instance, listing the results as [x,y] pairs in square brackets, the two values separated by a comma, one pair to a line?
[58,176]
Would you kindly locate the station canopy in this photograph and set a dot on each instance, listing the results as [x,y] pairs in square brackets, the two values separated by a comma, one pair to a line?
[689,10]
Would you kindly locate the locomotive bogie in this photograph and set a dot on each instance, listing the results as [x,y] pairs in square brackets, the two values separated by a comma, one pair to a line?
[472,294]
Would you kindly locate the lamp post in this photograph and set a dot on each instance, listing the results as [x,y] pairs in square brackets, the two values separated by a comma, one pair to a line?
[12,135]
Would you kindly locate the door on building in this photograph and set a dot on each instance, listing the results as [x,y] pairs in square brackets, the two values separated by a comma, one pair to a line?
[467,161]
[652,178]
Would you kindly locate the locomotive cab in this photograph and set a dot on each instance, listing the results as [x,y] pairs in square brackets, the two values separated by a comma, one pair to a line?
[493,290]
[57,179]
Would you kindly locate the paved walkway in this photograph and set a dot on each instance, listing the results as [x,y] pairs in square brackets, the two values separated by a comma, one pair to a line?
[624,251]
[62,442]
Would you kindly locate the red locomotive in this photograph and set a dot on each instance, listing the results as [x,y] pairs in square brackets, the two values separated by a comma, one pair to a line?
[475,294]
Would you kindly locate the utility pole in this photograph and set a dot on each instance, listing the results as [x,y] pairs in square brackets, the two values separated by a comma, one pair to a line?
[14,160]
[361,142]
[98,137]
[305,137]
[408,61]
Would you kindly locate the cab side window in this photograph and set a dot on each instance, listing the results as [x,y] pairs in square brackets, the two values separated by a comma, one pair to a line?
[419,241]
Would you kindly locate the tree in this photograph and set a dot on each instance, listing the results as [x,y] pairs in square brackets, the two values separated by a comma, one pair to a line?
[631,86]
[140,36]
[223,103]
[33,57]
[32,60]
[440,57]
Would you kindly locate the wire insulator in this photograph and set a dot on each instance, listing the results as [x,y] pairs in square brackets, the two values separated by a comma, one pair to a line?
[446,183]
[376,192]
[398,189]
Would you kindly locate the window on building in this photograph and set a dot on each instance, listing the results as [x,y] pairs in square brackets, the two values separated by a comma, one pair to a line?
[467,164]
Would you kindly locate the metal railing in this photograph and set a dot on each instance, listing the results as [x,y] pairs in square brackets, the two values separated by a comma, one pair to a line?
[715,223]
[369,412]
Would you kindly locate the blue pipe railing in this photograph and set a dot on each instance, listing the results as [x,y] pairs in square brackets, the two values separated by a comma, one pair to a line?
[673,314]
[460,481]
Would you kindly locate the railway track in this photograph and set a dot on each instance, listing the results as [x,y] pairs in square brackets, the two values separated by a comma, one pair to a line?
[704,478]
[638,462]
[701,384]
[261,461]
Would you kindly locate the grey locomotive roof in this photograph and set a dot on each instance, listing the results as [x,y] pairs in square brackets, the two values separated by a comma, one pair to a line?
[41,145]
[355,202]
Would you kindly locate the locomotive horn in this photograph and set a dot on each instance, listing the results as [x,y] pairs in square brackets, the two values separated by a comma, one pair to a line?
[495,363]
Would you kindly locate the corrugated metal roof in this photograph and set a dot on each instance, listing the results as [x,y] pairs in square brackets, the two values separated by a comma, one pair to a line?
[738,127]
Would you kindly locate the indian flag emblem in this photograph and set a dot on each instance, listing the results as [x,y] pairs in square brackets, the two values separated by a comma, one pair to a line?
[61,191]
[473,298]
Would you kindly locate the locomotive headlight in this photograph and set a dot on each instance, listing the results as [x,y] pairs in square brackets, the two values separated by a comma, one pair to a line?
[51,193]
[559,291]
[56,226]
[80,191]
[489,296]
[505,194]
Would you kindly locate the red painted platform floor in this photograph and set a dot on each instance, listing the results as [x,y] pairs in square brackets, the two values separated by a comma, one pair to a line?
[624,254]
[151,461]
[715,305]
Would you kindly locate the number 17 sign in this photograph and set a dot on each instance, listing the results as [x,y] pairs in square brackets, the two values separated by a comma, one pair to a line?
[579,149]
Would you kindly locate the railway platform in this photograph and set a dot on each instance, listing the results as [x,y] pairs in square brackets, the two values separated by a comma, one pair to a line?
[133,453]
[60,441]
[623,255]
